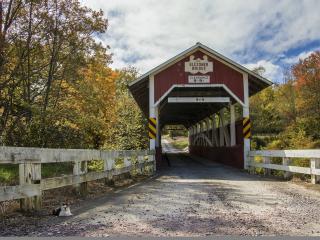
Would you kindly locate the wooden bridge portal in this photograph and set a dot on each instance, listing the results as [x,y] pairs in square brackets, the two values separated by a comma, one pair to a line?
[208,94]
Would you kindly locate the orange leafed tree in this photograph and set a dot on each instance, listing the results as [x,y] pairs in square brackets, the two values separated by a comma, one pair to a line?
[89,106]
[307,78]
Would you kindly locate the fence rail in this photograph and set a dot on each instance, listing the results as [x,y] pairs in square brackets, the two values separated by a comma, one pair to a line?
[287,156]
[31,184]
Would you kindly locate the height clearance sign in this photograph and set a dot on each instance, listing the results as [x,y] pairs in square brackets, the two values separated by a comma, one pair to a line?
[198,65]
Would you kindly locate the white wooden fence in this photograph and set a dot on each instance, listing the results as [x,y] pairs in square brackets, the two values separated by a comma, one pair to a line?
[31,184]
[287,156]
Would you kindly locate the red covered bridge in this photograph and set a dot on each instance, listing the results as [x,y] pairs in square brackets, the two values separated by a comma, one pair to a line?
[208,94]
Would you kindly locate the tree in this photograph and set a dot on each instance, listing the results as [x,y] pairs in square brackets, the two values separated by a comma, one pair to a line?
[307,85]
[130,129]
[87,107]
[264,112]
[291,109]
[43,45]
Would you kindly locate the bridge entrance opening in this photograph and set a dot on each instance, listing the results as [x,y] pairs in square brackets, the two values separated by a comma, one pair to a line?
[213,118]
[174,139]
[206,93]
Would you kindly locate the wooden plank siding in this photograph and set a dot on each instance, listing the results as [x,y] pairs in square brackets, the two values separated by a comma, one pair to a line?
[175,74]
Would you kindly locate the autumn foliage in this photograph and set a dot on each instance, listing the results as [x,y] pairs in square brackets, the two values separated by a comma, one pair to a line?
[56,86]
[288,115]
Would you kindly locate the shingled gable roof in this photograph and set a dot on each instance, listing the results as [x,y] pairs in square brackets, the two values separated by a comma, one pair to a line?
[208,51]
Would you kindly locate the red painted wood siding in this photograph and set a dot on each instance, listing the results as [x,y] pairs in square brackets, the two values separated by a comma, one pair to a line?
[175,74]
[232,156]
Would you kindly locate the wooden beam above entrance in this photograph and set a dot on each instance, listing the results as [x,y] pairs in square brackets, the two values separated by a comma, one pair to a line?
[198,100]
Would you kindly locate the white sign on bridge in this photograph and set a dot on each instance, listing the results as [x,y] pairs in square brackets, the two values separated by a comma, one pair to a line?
[198,65]
[199,79]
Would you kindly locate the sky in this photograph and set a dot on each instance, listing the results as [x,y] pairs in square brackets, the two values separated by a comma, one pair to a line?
[274,34]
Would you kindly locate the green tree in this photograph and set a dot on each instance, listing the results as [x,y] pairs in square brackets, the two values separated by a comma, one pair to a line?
[43,45]
[129,130]
[264,112]
[291,110]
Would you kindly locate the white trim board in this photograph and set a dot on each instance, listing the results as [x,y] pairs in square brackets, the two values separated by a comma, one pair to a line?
[199,86]
[198,100]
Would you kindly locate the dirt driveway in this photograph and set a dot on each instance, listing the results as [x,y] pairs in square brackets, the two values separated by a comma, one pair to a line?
[194,198]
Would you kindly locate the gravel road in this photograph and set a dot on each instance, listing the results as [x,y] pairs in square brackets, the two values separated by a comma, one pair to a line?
[192,198]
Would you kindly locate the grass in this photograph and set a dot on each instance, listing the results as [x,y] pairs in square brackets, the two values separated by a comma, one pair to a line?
[49,170]
[179,142]
[9,174]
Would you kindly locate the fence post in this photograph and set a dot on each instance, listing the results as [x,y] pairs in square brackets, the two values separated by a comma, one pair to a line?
[286,162]
[127,160]
[140,162]
[80,167]
[134,162]
[250,164]
[127,163]
[76,172]
[267,160]
[108,164]
[84,185]
[154,163]
[314,164]
[151,158]
[30,174]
